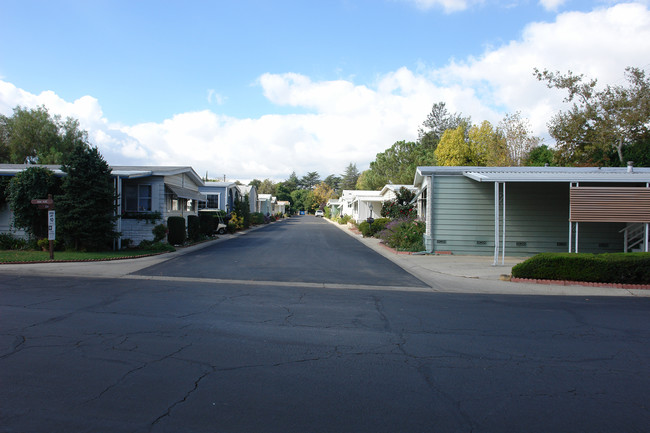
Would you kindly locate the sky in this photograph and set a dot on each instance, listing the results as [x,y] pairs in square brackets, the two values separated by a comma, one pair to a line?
[257,89]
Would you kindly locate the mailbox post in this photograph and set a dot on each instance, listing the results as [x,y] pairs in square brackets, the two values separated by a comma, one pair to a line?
[48,203]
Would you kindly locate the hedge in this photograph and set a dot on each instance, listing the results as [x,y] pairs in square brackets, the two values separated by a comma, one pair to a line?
[193,228]
[176,226]
[621,268]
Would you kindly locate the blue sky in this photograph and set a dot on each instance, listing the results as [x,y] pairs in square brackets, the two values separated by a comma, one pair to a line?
[257,89]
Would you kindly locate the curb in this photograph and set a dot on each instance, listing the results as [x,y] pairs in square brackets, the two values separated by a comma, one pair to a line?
[581,283]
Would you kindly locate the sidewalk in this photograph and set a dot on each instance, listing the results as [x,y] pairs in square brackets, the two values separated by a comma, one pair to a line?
[478,274]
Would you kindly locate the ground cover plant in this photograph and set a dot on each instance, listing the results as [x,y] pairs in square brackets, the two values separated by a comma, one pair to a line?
[405,234]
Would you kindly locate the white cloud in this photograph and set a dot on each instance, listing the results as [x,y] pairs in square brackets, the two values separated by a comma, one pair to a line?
[448,6]
[599,44]
[350,122]
[551,5]
[215,98]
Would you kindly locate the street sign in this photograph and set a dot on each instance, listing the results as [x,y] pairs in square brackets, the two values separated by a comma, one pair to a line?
[51,225]
[43,201]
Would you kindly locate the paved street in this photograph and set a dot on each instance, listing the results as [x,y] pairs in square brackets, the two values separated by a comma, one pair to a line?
[296,327]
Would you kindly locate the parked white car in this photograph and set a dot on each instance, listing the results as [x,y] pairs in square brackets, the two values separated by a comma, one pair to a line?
[319,213]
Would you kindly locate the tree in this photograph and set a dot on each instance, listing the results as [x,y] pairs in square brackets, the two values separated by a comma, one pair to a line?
[282,192]
[487,146]
[540,156]
[397,164]
[33,136]
[322,193]
[86,208]
[601,124]
[334,182]
[437,122]
[32,183]
[310,180]
[350,177]
[519,138]
[256,183]
[293,183]
[302,199]
[454,149]
[267,186]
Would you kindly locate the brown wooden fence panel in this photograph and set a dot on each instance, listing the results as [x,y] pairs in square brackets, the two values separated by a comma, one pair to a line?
[610,204]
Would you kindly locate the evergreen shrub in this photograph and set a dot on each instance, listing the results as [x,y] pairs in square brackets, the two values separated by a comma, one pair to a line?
[159,232]
[207,223]
[10,242]
[193,228]
[621,268]
[176,225]
[257,218]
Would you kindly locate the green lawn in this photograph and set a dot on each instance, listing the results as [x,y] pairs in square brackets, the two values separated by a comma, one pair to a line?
[16,256]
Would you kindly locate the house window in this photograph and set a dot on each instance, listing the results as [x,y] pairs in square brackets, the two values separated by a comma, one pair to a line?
[137,198]
[211,203]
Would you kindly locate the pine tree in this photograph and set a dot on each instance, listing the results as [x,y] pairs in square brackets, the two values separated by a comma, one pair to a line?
[350,177]
[86,209]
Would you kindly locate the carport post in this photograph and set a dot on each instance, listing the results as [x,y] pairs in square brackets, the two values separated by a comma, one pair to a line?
[503,243]
[496,223]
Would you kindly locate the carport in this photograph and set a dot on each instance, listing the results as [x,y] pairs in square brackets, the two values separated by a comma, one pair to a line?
[603,195]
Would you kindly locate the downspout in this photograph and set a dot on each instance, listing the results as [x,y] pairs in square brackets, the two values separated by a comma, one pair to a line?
[118,209]
[428,221]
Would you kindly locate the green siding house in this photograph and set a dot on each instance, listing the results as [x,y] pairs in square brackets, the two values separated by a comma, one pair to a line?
[522,211]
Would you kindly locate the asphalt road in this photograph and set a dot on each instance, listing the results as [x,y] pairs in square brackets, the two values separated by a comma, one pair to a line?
[304,249]
[262,354]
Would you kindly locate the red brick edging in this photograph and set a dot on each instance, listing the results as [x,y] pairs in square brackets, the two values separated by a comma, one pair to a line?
[393,250]
[581,283]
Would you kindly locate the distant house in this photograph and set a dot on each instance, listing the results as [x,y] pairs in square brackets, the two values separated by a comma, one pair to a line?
[334,205]
[251,192]
[281,206]
[523,211]
[363,204]
[265,203]
[219,195]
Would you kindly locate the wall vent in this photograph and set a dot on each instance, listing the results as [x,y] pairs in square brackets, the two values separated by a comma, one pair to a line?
[481,242]
[562,244]
[522,244]
[440,241]
[603,245]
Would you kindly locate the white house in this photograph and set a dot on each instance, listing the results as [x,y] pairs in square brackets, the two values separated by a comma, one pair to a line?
[363,204]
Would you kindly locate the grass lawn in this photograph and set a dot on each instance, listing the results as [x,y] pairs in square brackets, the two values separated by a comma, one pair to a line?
[17,256]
